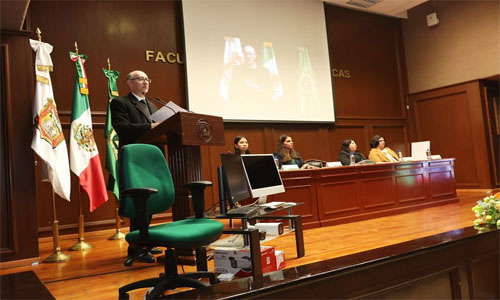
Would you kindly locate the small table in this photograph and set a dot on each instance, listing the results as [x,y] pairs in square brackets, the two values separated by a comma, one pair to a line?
[295,223]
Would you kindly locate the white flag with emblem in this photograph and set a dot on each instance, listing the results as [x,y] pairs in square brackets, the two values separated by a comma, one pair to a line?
[48,141]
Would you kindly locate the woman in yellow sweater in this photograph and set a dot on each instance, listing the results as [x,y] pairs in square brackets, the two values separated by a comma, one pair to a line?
[381,153]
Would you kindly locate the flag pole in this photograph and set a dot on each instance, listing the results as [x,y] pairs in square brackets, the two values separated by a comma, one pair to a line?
[81,245]
[118,235]
[57,255]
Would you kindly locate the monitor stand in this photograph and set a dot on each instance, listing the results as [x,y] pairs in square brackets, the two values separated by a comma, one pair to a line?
[262,200]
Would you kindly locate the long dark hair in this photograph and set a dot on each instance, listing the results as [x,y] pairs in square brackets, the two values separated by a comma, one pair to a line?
[374,142]
[236,141]
[286,155]
[345,145]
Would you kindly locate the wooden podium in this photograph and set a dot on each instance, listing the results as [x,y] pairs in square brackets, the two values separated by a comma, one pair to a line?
[184,133]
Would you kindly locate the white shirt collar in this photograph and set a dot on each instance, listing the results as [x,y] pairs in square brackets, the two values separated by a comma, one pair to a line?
[139,98]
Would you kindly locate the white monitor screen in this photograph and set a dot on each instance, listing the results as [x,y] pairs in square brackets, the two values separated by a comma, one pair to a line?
[234,177]
[419,150]
[258,60]
[262,174]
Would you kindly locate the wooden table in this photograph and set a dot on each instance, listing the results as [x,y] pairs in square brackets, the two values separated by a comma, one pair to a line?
[352,193]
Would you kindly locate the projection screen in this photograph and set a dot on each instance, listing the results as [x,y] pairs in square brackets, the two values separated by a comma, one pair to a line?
[258,61]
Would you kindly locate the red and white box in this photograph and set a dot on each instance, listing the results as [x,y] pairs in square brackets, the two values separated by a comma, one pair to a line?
[237,261]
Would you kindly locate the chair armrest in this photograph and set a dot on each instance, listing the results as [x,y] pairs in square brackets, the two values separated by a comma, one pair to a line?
[142,193]
[197,188]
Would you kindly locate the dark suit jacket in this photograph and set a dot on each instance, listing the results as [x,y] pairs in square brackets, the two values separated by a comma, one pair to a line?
[345,157]
[296,161]
[128,120]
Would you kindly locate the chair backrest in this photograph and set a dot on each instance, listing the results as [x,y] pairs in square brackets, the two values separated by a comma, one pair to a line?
[144,166]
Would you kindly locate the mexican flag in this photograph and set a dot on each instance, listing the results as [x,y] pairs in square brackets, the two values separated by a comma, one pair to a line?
[269,62]
[84,157]
[48,141]
[111,136]
[233,56]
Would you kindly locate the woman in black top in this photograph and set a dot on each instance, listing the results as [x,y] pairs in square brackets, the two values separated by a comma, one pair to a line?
[347,149]
[241,145]
[286,154]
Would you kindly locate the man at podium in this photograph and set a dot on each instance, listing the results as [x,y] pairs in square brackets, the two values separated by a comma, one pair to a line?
[130,116]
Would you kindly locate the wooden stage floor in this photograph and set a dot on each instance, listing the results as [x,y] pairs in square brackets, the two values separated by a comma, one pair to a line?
[99,272]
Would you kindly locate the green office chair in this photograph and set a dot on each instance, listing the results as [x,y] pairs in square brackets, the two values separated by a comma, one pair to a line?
[147,189]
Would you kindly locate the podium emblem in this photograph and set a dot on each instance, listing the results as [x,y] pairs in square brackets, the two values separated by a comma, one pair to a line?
[204,130]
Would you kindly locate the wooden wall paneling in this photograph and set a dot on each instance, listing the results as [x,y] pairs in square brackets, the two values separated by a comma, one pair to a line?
[440,285]
[19,236]
[483,277]
[301,188]
[410,185]
[395,136]
[377,192]
[339,133]
[123,31]
[491,110]
[441,179]
[340,197]
[375,88]
[6,238]
[309,140]
[452,119]
[116,30]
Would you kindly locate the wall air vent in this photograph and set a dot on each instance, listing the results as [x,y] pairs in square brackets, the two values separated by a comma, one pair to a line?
[363,3]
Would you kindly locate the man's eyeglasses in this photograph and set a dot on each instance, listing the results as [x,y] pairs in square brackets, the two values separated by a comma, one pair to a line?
[142,79]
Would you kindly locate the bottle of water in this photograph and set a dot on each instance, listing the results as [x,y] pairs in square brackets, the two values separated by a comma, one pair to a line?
[428,153]
[400,155]
[276,161]
[353,160]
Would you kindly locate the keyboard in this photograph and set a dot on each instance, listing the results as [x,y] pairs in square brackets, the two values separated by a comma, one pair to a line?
[242,210]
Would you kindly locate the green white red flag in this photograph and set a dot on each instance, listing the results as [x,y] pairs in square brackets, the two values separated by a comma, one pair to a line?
[111,136]
[48,141]
[84,156]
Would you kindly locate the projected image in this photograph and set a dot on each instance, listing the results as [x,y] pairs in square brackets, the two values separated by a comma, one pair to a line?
[308,92]
[258,60]
[246,74]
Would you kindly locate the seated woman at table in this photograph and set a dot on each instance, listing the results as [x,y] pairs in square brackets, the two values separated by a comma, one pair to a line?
[287,155]
[347,149]
[381,153]
[241,145]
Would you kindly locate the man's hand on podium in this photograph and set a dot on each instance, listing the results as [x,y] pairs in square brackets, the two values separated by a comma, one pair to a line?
[153,125]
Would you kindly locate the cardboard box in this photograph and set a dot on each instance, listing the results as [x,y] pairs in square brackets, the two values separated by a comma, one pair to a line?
[280,260]
[237,261]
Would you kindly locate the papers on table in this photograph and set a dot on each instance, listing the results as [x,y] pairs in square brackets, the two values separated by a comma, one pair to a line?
[166,112]
[276,204]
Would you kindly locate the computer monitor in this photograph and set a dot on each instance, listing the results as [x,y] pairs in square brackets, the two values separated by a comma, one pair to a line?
[419,150]
[234,180]
[262,174]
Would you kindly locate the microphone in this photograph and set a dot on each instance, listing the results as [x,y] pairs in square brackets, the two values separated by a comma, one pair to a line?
[158,100]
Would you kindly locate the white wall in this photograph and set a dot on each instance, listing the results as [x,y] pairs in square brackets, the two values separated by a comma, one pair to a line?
[464,46]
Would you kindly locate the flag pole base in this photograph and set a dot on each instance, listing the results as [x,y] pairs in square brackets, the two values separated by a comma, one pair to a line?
[117,236]
[57,257]
[81,246]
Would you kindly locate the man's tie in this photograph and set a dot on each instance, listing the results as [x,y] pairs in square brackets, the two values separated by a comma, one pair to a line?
[144,108]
